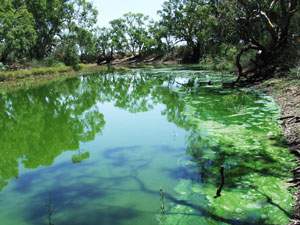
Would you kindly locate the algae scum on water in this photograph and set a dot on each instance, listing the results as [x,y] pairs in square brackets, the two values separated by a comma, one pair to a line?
[144,147]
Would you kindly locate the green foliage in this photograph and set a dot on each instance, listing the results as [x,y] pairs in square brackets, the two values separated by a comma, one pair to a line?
[71,57]
[136,30]
[55,18]
[33,29]
[2,67]
[17,33]
[217,64]
[127,35]
[191,22]
[268,30]
[78,158]
[23,73]
[265,33]
[105,45]
[118,38]
[86,42]
[51,61]
[77,67]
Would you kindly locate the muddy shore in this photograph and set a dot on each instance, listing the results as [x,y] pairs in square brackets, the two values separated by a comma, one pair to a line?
[287,95]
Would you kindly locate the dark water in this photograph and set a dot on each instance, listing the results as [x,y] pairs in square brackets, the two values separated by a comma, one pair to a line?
[142,148]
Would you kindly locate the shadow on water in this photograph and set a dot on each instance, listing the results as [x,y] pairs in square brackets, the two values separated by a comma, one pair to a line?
[119,156]
[223,128]
[184,172]
[271,202]
[74,197]
[201,210]
[62,198]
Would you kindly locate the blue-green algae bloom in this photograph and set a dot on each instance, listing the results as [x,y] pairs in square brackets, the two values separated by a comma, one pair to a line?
[156,139]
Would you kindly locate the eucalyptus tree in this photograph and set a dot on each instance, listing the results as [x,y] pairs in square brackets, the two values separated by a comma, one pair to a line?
[54,19]
[118,37]
[136,30]
[17,33]
[86,41]
[189,21]
[265,30]
[161,36]
[104,45]
[131,34]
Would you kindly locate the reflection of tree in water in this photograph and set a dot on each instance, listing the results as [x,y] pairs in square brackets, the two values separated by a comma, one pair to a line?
[217,135]
[40,124]
[224,111]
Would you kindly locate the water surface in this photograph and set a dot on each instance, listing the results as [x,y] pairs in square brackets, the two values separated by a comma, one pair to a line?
[144,147]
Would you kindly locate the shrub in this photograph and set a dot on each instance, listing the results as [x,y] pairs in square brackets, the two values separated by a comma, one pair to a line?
[77,67]
[71,57]
[51,61]
[2,67]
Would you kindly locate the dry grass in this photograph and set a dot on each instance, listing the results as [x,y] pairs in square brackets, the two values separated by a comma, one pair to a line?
[42,71]
[30,78]
[24,73]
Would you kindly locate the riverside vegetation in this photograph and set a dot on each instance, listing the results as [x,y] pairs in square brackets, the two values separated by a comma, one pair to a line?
[256,37]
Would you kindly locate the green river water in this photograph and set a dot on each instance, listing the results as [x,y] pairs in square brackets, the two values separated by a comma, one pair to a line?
[141,148]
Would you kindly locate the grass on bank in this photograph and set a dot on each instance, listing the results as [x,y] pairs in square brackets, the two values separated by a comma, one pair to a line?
[37,76]
[52,70]
[23,73]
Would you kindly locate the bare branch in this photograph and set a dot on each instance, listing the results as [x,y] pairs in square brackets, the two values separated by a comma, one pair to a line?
[264,14]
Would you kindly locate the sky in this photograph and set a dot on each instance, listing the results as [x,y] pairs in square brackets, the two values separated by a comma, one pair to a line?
[113,9]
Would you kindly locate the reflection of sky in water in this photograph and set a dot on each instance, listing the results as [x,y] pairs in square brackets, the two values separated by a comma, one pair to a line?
[124,128]
[177,143]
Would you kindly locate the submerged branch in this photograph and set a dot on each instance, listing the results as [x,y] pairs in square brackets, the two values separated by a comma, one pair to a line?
[218,193]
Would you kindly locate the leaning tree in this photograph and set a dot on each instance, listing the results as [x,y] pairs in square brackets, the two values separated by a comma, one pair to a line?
[266,36]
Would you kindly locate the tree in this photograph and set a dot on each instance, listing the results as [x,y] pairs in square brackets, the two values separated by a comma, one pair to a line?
[55,18]
[71,57]
[265,29]
[17,34]
[189,21]
[86,42]
[137,32]
[162,37]
[131,34]
[104,45]
[118,37]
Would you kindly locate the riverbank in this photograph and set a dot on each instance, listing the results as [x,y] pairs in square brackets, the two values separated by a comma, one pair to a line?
[286,92]
[26,78]
[13,75]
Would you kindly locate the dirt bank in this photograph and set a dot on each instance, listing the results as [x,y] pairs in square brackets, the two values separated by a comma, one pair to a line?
[287,94]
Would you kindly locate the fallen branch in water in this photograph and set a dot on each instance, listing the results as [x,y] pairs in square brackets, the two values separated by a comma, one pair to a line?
[286,117]
[218,194]
[290,119]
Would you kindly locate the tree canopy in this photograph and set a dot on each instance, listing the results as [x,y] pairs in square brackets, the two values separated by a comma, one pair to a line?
[261,34]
